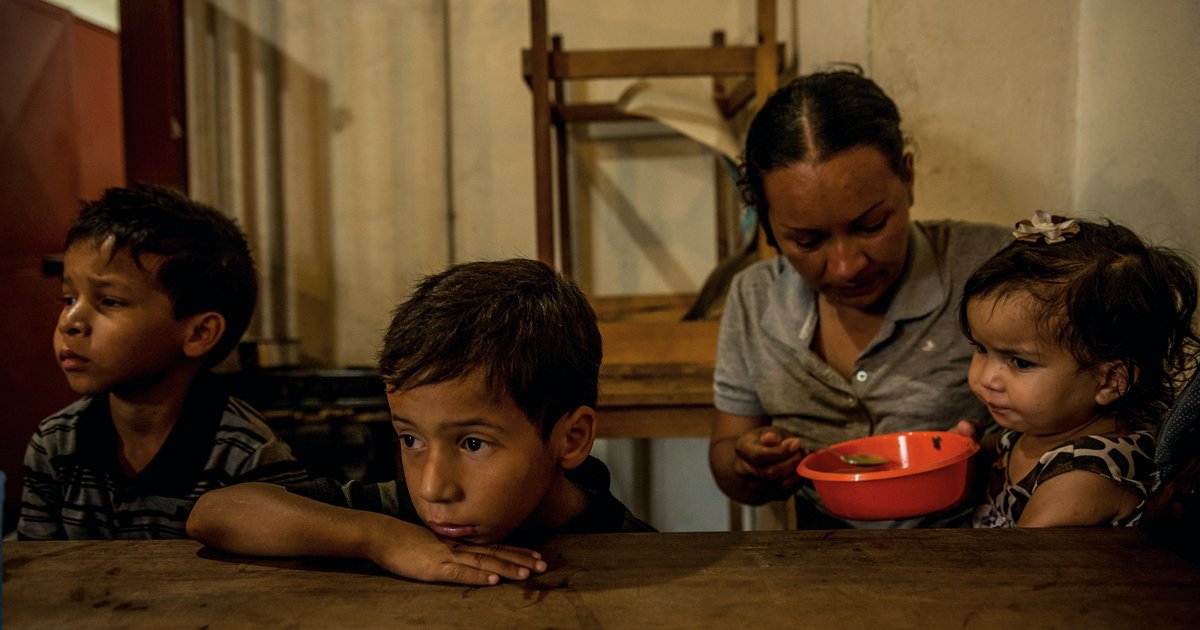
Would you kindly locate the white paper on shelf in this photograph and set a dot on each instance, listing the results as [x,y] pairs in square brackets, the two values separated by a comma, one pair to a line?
[691,112]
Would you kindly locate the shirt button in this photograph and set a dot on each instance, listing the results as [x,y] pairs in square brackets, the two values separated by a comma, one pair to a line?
[860,376]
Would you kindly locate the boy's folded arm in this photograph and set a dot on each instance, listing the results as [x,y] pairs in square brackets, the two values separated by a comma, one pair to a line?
[267,520]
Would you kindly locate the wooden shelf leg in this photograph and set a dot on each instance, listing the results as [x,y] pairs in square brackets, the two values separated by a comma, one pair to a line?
[566,252]
[540,58]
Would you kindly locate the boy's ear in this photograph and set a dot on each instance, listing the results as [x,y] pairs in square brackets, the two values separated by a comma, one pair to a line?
[574,435]
[203,331]
[1113,379]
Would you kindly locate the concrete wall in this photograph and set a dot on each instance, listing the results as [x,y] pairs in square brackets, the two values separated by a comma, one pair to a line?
[1137,149]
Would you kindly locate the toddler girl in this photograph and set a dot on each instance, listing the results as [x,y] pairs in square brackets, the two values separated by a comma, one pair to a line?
[1081,332]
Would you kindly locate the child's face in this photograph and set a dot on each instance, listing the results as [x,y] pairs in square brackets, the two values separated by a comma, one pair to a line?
[1029,385]
[476,468]
[117,329]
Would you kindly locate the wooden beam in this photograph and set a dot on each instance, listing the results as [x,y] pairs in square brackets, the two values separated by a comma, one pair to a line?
[152,93]
[566,253]
[655,422]
[591,112]
[766,56]
[647,62]
[540,78]
[765,82]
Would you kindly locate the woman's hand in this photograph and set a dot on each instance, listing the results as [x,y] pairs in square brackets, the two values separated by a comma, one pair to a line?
[977,431]
[752,461]
[768,455]
[969,428]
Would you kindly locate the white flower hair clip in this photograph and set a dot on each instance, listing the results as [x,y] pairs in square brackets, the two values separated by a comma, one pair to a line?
[1050,228]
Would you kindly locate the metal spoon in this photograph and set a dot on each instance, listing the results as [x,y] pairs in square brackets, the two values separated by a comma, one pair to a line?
[863,459]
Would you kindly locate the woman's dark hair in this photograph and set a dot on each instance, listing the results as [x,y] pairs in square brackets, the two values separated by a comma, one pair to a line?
[1104,295]
[531,332]
[206,265]
[812,119]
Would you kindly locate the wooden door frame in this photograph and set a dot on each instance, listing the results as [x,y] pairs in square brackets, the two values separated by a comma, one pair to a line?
[153,92]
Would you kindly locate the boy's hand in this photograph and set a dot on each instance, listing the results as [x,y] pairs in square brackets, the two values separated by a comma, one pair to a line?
[769,455]
[419,554]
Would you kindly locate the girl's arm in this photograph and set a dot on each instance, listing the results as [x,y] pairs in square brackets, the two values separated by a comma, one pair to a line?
[1078,498]
[266,520]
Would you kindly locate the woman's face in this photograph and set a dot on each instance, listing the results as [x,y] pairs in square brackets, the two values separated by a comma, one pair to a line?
[843,224]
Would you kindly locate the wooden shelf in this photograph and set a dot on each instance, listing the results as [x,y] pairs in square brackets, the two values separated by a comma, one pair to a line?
[547,66]
[656,379]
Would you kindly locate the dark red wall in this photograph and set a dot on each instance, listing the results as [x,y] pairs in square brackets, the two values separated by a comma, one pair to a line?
[60,142]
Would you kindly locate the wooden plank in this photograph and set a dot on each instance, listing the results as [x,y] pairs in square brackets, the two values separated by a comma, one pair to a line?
[660,342]
[566,251]
[766,54]
[656,379]
[626,308]
[591,112]
[663,393]
[655,421]
[540,77]
[152,93]
[646,62]
[745,90]
[932,578]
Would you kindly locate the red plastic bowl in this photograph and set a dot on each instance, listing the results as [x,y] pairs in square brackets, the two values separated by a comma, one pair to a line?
[926,472]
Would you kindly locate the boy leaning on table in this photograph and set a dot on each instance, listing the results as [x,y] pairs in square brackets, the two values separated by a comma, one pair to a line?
[491,371]
[156,290]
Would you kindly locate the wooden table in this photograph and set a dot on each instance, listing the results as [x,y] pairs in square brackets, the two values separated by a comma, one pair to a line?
[656,379]
[1079,578]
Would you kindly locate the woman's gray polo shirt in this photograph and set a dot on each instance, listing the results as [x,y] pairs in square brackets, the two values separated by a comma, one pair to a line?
[912,376]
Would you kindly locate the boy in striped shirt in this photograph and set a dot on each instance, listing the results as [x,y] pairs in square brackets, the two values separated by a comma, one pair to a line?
[157,289]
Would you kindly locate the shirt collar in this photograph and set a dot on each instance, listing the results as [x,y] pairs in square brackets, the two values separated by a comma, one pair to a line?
[177,466]
[603,512]
[921,289]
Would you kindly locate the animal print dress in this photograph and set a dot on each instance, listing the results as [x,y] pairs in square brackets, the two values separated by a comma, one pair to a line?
[1126,459]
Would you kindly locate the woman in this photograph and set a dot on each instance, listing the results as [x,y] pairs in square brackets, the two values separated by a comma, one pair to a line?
[852,330]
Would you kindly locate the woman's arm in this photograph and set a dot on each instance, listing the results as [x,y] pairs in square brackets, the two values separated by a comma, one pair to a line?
[266,520]
[752,461]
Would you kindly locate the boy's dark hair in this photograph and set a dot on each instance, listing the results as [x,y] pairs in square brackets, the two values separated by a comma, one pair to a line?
[814,118]
[1105,296]
[531,332]
[207,264]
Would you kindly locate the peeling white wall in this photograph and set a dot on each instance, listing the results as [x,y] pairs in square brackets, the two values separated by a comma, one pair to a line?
[986,91]
[1138,135]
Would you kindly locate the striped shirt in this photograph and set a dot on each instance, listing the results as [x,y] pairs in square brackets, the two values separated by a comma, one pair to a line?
[75,488]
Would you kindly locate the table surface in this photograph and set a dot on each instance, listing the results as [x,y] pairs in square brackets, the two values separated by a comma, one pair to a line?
[1101,578]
